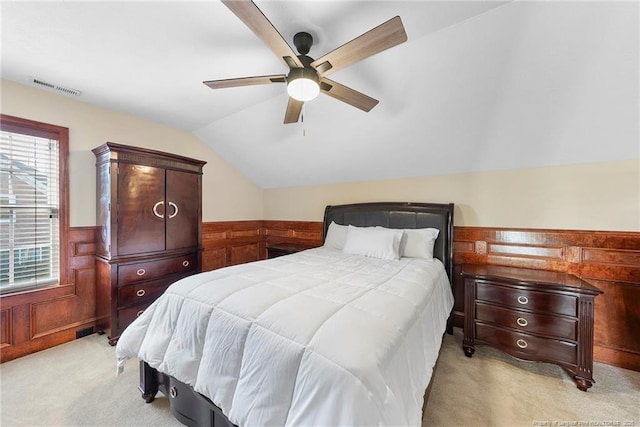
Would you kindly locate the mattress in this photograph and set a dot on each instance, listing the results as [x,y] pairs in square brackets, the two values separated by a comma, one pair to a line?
[313,338]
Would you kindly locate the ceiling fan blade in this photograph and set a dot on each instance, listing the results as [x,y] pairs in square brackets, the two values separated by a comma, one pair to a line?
[252,16]
[382,37]
[245,81]
[294,107]
[348,95]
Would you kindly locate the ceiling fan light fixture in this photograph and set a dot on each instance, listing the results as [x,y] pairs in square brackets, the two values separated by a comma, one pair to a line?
[303,84]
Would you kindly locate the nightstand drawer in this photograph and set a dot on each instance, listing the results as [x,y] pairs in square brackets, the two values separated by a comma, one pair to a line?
[527,300]
[137,272]
[534,323]
[527,346]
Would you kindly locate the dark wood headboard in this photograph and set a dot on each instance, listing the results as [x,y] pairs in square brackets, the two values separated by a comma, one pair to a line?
[400,215]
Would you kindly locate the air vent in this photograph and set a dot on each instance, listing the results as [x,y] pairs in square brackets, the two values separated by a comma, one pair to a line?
[62,89]
[84,332]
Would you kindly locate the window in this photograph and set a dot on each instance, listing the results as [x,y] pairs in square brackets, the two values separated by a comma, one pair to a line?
[33,204]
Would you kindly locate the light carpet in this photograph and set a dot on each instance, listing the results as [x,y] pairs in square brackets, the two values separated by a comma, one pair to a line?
[74,384]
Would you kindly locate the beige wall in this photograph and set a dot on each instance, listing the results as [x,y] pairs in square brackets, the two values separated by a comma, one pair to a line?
[598,196]
[227,193]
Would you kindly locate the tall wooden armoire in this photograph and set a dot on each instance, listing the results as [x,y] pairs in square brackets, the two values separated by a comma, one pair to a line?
[149,216]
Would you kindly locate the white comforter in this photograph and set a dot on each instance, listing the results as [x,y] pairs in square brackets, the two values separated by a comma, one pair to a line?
[314,338]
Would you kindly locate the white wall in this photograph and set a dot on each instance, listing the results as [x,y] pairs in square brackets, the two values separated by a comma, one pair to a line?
[528,84]
[227,193]
[528,116]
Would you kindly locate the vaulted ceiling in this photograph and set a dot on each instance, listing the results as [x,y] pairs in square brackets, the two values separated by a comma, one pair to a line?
[479,85]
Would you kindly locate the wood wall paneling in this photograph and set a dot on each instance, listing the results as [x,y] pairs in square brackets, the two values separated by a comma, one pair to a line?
[298,232]
[232,242]
[5,327]
[213,258]
[244,253]
[35,320]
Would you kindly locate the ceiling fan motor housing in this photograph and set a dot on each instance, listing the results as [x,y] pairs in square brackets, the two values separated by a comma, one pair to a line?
[303,42]
[303,73]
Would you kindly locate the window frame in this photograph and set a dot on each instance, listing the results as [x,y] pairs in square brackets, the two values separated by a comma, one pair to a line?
[61,134]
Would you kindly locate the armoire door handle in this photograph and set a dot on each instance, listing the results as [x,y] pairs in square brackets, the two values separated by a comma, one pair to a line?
[175,209]
[155,209]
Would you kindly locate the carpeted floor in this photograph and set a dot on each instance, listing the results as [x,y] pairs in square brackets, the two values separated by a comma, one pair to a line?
[75,385]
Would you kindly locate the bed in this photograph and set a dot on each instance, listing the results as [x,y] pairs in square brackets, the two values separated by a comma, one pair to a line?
[335,335]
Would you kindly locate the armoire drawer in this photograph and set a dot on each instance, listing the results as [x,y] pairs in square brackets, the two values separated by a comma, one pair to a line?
[141,292]
[527,346]
[153,269]
[545,302]
[128,315]
[533,323]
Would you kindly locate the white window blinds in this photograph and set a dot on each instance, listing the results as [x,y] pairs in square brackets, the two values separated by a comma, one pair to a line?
[29,211]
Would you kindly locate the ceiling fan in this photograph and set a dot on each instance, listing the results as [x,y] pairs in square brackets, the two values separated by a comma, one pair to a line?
[307,77]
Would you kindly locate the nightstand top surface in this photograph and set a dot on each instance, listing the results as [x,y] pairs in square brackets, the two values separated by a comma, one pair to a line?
[529,277]
[290,247]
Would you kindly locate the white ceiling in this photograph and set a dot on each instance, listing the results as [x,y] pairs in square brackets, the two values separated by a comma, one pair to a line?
[478,86]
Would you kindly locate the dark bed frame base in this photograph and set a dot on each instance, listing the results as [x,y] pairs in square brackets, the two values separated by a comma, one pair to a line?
[186,405]
[193,409]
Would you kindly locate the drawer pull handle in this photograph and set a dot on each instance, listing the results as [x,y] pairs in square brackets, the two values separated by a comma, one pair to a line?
[523,300]
[522,321]
[521,343]
[141,292]
[173,392]
[141,272]
[185,263]
[139,313]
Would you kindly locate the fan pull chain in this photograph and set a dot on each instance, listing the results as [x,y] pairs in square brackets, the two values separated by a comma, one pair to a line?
[304,130]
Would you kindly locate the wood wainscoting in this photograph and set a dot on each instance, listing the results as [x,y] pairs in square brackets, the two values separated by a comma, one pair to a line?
[35,320]
[228,243]
[236,242]
[304,233]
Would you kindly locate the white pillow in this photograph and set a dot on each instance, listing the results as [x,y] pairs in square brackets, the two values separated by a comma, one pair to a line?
[336,236]
[419,242]
[383,243]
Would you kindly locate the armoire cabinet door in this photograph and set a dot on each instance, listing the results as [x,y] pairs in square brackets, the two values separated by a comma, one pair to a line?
[141,209]
[182,198]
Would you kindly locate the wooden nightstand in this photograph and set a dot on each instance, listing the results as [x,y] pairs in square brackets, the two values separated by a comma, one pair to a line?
[279,249]
[532,315]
